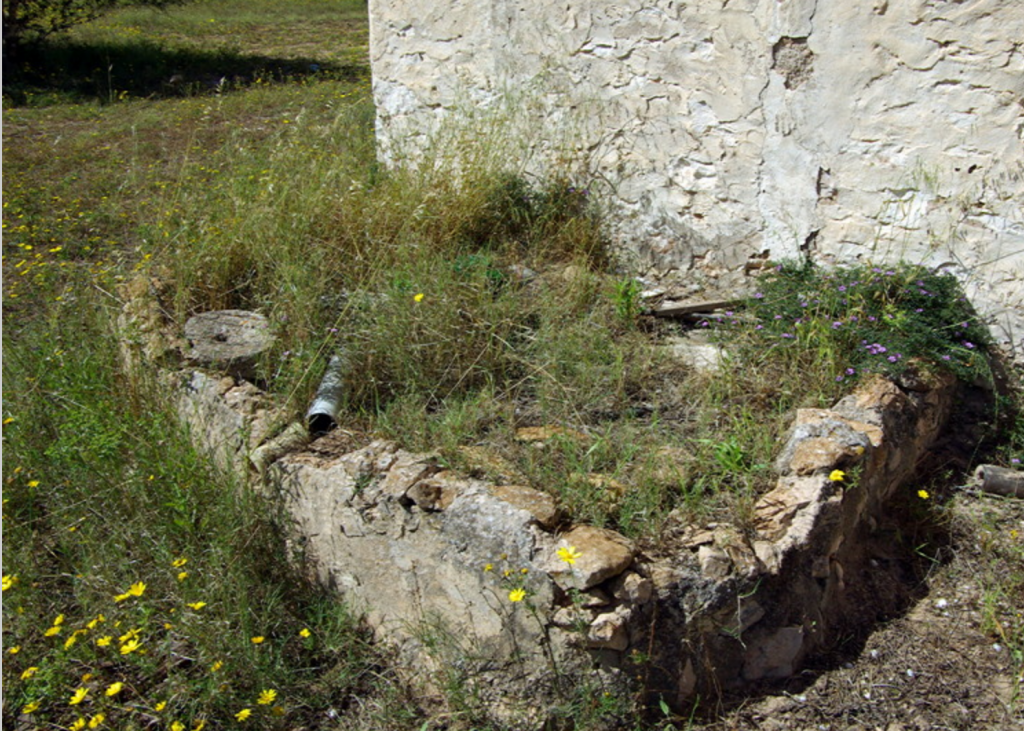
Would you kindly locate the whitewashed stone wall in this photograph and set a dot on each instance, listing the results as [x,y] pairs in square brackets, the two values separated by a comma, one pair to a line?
[722,132]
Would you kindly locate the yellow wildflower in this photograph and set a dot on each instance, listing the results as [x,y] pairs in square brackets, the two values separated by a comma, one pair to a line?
[182,575]
[58,620]
[129,635]
[78,725]
[837,476]
[243,714]
[70,641]
[569,554]
[33,483]
[177,726]
[8,420]
[92,623]
[489,567]
[923,494]
[418,297]
[14,650]
[29,672]
[130,646]
[304,632]
[55,630]
[86,677]
[160,706]
[179,562]
[267,697]
[517,595]
[137,588]
[257,640]
[216,666]
[114,689]
[9,581]
[121,597]
[78,696]
[97,720]
[30,708]
[196,605]
[104,641]
[200,726]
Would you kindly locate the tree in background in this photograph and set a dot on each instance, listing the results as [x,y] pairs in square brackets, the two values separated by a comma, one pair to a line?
[29,21]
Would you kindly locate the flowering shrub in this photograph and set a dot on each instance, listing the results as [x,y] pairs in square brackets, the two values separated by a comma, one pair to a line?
[864,319]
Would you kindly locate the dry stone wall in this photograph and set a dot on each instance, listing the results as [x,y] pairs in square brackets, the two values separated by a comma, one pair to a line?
[464,577]
[723,133]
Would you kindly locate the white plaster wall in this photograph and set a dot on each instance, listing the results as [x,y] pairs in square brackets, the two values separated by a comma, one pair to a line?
[726,131]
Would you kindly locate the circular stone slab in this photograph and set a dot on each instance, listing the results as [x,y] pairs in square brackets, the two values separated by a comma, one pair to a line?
[228,340]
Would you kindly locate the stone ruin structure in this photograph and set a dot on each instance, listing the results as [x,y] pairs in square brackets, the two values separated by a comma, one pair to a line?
[430,556]
[718,135]
[722,133]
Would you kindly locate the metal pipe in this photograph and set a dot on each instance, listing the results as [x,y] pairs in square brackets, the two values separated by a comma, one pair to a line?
[323,412]
[1000,480]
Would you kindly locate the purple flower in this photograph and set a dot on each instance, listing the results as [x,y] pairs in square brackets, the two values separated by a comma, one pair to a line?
[836,325]
[778,317]
[803,304]
[728,313]
[759,296]
[853,318]
[759,327]
[893,359]
[786,335]
[945,357]
[969,345]
[850,371]
[842,288]
[871,318]
[838,378]
[1014,461]
[705,323]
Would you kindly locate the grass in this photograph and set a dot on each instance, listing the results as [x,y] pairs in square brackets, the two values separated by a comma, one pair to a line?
[233,156]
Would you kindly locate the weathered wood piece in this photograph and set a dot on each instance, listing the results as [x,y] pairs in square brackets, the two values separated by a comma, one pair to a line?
[228,340]
[1000,480]
[693,308]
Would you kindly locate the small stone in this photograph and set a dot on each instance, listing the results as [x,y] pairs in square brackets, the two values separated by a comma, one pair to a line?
[633,589]
[714,562]
[603,554]
[540,505]
[608,632]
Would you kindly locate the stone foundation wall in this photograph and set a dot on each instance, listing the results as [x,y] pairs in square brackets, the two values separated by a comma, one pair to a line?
[722,133]
[429,556]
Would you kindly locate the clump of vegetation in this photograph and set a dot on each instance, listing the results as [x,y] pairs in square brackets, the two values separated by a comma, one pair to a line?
[863,319]
[126,604]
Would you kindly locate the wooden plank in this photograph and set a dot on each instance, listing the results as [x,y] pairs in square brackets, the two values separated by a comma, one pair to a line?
[690,308]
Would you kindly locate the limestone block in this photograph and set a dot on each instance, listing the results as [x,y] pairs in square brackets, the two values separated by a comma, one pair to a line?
[603,555]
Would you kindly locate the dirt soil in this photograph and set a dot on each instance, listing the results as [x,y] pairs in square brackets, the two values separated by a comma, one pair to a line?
[946,663]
